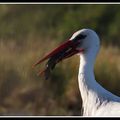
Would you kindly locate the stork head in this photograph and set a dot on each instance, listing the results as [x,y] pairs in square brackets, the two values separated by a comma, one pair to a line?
[87,39]
[81,42]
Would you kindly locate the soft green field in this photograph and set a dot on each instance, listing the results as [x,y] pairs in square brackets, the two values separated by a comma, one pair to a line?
[28,32]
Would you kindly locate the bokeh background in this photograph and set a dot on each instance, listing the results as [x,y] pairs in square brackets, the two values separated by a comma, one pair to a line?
[28,32]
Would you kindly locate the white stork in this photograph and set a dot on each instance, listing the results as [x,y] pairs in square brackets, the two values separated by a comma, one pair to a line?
[96,100]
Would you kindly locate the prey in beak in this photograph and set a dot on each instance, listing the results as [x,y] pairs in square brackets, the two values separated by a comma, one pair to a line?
[65,50]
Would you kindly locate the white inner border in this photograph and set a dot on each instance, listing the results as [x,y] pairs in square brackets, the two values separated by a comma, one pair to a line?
[60,3]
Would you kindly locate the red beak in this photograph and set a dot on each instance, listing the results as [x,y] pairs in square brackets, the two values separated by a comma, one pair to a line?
[64,51]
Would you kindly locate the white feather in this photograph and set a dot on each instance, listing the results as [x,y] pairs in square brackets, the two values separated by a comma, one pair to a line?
[97,101]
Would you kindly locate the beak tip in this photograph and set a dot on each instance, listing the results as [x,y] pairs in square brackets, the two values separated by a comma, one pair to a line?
[35,64]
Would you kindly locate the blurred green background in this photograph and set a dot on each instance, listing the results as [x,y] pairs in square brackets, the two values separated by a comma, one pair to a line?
[27,32]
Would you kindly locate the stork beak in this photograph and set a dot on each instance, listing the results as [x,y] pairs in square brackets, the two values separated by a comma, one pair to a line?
[65,50]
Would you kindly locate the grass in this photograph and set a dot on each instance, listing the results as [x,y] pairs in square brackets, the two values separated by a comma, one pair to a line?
[22,92]
[107,69]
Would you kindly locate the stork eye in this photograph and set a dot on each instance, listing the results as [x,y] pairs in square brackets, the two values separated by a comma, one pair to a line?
[79,37]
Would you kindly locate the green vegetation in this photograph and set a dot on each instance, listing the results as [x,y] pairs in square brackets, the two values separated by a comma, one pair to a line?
[27,32]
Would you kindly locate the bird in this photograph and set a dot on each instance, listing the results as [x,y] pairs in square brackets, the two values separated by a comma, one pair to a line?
[96,100]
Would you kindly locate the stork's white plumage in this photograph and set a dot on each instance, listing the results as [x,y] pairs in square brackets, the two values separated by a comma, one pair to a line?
[97,101]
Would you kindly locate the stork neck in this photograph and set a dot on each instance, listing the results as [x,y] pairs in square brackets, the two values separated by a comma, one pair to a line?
[87,63]
[86,80]
[86,70]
